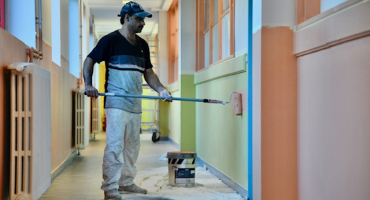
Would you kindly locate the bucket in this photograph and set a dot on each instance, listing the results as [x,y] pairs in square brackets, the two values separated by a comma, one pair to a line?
[181,168]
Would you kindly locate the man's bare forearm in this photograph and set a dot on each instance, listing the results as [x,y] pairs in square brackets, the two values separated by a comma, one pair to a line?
[153,81]
[88,70]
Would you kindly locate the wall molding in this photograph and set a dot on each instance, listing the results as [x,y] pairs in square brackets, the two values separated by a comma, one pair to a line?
[63,166]
[341,24]
[227,68]
[171,141]
[334,43]
[224,178]
[168,139]
[327,13]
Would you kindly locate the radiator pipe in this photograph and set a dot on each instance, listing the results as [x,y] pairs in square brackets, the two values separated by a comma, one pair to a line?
[34,53]
[40,26]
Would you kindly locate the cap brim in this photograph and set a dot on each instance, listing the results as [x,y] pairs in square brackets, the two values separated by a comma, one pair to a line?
[143,14]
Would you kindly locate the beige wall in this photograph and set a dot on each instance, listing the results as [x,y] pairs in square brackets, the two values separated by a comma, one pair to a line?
[333,104]
[333,123]
[62,83]
[8,55]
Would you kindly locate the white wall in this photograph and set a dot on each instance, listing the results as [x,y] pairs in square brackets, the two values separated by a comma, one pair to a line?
[187,18]
[256,76]
[278,13]
[25,31]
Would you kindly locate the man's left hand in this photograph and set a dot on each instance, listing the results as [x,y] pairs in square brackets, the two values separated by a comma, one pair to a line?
[165,93]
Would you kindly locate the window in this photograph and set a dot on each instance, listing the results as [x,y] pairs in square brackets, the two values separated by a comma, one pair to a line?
[173,42]
[24,31]
[2,15]
[215,31]
[38,24]
[74,38]
[328,4]
[55,32]
[307,9]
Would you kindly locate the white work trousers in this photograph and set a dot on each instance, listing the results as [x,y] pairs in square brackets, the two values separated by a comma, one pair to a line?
[122,148]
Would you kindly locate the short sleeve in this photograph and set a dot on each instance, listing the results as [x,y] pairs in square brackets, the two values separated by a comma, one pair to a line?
[148,63]
[100,51]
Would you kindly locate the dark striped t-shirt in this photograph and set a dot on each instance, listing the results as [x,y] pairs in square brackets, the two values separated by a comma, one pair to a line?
[125,64]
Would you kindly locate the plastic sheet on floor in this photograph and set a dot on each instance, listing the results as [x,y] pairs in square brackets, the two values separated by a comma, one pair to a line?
[207,186]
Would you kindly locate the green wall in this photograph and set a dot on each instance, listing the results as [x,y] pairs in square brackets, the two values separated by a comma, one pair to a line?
[187,114]
[221,136]
[149,113]
[169,115]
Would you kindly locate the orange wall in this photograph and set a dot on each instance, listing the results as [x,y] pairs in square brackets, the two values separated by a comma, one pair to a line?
[278,115]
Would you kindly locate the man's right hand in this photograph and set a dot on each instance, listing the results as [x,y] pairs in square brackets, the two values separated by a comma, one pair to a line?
[91,91]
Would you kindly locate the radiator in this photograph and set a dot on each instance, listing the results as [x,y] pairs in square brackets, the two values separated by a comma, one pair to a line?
[79,119]
[30,129]
[21,137]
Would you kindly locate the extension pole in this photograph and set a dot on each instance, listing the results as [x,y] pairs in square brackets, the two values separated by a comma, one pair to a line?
[165,98]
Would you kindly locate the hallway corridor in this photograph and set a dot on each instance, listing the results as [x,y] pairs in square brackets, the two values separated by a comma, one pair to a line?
[81,180]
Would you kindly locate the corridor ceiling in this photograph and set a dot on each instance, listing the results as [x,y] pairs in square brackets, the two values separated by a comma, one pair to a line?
[105,12]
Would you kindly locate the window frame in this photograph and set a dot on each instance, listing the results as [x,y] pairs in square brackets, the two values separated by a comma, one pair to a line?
[173,42]
[303,20]
[307,9]
[2,14]
[201,31]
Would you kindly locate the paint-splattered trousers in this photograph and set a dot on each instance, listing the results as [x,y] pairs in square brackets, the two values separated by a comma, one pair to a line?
[122,148]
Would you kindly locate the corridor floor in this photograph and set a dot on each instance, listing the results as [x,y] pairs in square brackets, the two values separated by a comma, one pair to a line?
[81,180]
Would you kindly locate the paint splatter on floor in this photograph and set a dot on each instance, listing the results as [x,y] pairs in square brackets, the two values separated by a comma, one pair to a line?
[207,186]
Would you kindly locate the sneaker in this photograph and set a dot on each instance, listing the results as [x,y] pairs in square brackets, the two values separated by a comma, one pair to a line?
[112,195]
[132,189]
